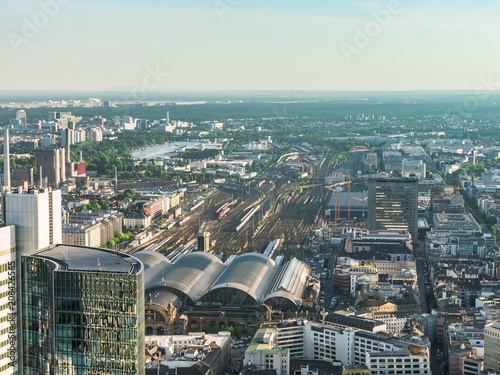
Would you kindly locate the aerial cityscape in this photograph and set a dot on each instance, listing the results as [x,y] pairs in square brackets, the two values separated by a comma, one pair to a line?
[250,188]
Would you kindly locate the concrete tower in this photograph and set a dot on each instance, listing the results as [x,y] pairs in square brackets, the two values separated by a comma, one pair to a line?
[204,241]
[6,174]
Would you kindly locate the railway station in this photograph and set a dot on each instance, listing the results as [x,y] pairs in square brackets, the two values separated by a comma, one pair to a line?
[199,289]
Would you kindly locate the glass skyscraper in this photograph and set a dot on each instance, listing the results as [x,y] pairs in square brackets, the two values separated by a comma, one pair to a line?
[83,312]
[393,205]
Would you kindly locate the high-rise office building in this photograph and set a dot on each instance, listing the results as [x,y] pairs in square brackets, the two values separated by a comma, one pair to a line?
[21,116]
[393,205]
[83,312]
[37,217]
[8,302]
[204,241]
[492,346]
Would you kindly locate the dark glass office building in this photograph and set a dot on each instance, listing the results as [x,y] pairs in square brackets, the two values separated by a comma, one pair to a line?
[83,312]
[393,205]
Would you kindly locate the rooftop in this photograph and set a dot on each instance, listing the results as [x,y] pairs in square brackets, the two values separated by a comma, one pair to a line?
[90,259]
[353,321]
[257,345]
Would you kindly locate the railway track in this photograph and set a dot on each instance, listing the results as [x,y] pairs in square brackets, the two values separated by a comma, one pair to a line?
[290,222]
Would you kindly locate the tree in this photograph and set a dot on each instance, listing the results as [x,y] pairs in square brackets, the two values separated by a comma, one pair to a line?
[94,206]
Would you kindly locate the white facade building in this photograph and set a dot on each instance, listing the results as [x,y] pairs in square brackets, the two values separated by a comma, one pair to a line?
[82,235]
[137,220]
[413,361]
[413,168]
[37,216]
[316,341]
[264,352]
[394,322]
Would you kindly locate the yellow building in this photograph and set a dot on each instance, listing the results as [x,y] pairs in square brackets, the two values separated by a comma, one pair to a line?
[355,370]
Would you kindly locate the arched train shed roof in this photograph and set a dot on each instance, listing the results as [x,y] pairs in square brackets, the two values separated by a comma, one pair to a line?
[191,275]
[250,273]
[155,265]
[290,282]
[150,258]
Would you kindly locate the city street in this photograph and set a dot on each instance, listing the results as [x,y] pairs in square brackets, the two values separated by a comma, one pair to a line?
[422,274]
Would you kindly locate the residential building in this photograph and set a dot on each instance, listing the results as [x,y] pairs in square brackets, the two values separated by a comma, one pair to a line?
[380,353]
[341,320]
[82,235]
[412,360]
[196,353]
[111,222]
[94,135]
[154,208]
[413,169]
[264,352]
[137,220]
[473,364]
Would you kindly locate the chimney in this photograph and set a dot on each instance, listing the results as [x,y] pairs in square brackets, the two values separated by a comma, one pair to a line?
[68,150]
[62,165]
[6,161]
[81,156]
[40,177]
[6,176]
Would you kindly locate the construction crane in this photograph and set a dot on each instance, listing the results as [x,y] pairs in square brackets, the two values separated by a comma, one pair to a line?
[348,182]
[333,187]
[337,197]
[362,200]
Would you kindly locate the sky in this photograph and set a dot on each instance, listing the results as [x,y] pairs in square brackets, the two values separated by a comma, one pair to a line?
[168,45]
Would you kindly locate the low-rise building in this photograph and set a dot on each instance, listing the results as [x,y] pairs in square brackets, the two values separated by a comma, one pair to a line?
[199,352]
[137,220]
[264,353]
[82,235]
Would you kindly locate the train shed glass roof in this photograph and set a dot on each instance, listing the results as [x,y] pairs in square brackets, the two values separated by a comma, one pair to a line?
[251,273]
[191,275]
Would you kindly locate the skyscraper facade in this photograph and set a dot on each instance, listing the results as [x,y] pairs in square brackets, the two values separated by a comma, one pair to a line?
[8,304]
[393,205]
[492,346]
[37,217]
[83,312]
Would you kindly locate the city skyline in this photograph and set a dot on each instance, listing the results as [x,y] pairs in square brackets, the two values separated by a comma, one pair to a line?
[230,186]
[242,45]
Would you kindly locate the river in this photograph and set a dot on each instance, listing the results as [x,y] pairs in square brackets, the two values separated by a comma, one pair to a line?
[169,149]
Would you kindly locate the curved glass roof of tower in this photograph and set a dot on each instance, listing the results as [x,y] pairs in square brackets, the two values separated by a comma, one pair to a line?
[89,259]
